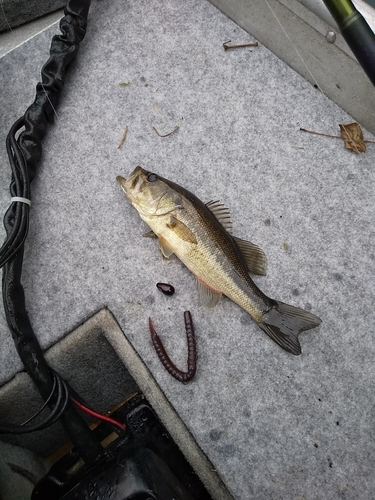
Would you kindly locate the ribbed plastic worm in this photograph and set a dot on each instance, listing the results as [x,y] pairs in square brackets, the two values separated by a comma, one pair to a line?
[166,360]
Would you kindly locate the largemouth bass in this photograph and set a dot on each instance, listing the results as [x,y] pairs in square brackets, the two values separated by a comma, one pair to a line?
[200,236]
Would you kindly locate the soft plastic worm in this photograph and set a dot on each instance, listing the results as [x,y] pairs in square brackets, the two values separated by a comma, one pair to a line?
[165,359]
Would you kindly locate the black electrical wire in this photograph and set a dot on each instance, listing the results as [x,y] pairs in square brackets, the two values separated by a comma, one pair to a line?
[64,393]
[44,404]
[62,400]
[17,216]
[24,151]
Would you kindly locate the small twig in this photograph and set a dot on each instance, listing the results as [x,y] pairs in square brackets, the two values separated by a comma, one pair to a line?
[123,137]
[329,135]
[156,108]
[251,44]
[320,133]
[169,133]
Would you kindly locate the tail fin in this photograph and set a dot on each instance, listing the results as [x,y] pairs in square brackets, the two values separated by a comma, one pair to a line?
[283,323]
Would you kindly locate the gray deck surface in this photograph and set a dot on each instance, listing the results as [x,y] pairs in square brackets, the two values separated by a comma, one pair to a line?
[274,425]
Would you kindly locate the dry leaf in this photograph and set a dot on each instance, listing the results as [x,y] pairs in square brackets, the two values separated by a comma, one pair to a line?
[353,137]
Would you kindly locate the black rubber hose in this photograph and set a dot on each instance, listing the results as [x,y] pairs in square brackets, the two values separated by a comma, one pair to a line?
[63,50]
[24,154]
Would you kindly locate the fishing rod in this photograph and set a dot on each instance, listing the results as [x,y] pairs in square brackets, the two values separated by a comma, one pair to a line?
[357,33]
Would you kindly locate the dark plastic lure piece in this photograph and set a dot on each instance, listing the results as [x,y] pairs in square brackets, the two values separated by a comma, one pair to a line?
[165,359]
[166,288]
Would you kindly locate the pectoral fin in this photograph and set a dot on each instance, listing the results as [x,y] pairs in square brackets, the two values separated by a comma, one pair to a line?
[181,230]
[254,256]
[208,297]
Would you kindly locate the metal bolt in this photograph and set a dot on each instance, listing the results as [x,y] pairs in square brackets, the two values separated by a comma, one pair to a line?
[331,36]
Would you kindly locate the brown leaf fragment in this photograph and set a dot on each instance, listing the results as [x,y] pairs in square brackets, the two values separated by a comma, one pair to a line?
[353,137]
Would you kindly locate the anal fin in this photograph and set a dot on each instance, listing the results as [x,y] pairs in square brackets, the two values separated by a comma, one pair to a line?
[208,297]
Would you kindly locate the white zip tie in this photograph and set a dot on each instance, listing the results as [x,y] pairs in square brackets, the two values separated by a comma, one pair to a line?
[22,200]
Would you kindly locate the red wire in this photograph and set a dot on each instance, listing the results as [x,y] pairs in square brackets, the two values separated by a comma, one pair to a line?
[98,415]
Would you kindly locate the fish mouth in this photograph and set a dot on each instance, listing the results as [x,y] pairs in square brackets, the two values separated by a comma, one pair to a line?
[144,194]
[122,181]
[132,185]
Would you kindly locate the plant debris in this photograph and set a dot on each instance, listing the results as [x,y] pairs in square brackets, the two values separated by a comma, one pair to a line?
[352,135]
[169,133]
[124,84]
[123,137]
[156,108]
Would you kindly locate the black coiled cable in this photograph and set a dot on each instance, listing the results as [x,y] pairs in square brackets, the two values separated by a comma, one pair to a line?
[16,219]
[24,151]
[61,392]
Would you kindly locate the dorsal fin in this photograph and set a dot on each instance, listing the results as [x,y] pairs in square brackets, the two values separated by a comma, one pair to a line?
[221,212]
[254,256]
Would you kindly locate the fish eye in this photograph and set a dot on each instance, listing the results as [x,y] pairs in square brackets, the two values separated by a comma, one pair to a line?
[152,177]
